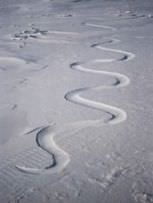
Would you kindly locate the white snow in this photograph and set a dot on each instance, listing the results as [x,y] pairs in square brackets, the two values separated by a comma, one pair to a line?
[76,101]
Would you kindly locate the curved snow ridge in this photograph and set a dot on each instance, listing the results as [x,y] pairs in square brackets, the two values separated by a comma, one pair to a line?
[63,32]
[99,26]
[125,16]
[45,140]
[45,136]
[126,56]
[44,36]
[7,63]
[52,37]
[57,37]
[117,114]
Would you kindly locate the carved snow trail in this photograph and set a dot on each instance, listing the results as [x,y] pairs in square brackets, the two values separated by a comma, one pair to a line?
[117,115]
[45,137]
[45,140]
[100,26]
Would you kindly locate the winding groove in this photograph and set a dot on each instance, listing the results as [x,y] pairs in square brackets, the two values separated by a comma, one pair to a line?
[45,140]
[11,62]
[45,137]
[117,115]
[100,26]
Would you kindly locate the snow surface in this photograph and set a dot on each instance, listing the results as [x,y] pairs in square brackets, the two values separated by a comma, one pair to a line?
[76,101]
